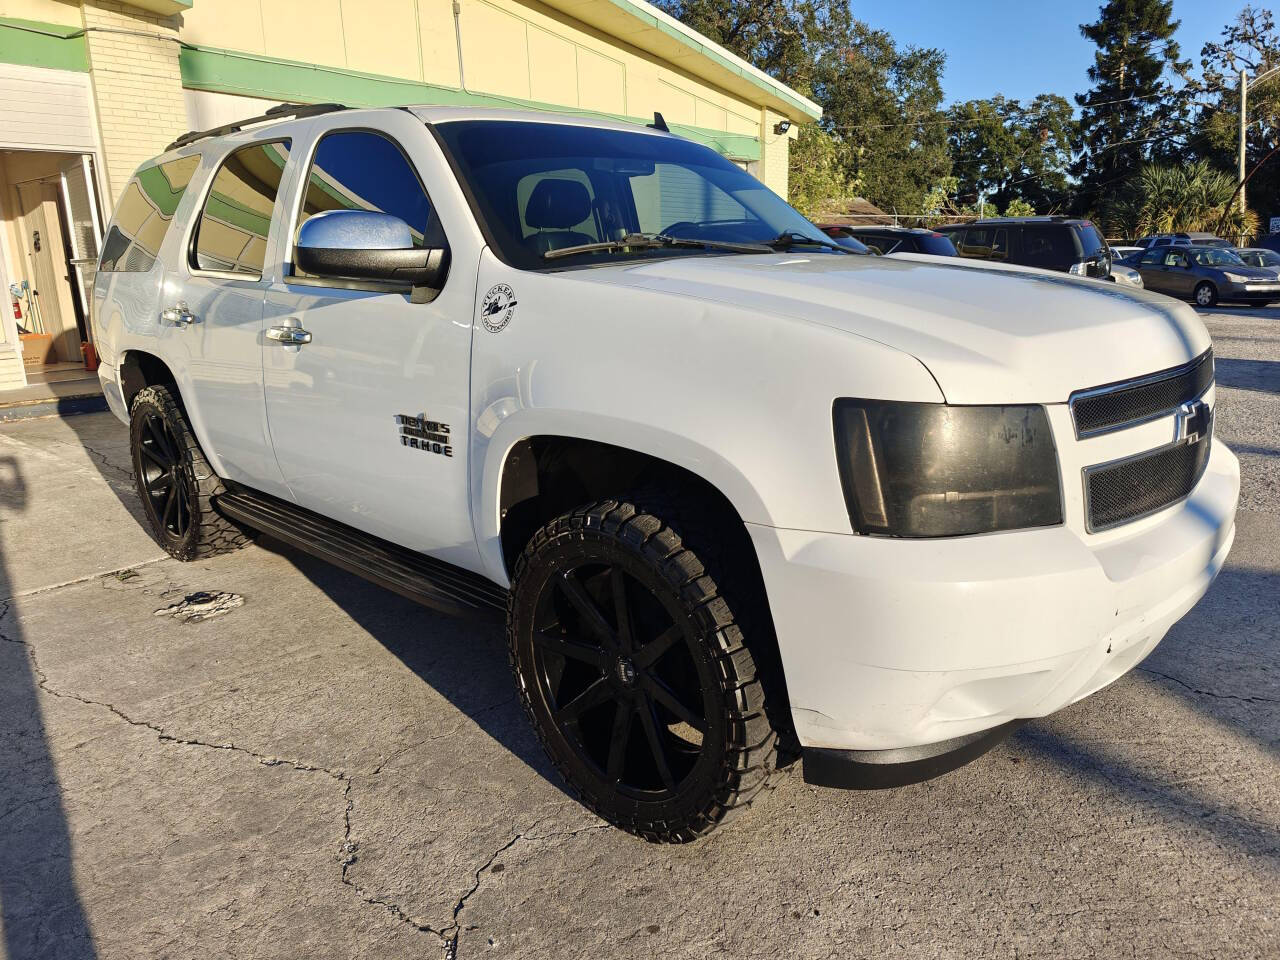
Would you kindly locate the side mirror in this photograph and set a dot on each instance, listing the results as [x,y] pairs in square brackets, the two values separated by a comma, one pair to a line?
[364,245]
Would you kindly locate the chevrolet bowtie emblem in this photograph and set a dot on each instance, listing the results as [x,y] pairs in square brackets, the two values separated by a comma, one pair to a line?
[1194,420]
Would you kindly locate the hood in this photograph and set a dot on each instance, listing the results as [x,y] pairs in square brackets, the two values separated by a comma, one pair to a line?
[1253,273]
[989,334]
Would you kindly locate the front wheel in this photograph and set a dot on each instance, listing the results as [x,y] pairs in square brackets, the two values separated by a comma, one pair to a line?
[1206,294]
[635,674]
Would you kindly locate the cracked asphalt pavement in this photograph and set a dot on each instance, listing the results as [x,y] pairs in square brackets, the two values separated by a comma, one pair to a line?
[326,770]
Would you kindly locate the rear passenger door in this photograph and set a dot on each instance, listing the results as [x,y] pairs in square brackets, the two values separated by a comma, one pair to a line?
[218,281]
[369,419]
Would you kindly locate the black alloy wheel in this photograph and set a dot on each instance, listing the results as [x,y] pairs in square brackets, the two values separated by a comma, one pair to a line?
[164,479]
[633,668]
[621,674]
[177,486]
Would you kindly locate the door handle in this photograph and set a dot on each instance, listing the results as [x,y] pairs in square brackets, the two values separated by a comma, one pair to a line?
[178,316]
[288,336]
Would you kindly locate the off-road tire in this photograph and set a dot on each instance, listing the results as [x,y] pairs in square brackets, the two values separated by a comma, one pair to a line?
[1210,292]
[739,752]
[207,533]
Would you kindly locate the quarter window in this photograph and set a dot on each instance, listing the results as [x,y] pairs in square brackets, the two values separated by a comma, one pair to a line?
[144,215]
[231,236]
[362,170]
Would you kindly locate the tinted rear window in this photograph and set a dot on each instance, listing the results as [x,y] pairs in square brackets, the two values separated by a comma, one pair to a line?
[144,214]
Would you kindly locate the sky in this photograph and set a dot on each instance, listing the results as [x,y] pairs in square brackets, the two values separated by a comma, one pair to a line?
[1021,48]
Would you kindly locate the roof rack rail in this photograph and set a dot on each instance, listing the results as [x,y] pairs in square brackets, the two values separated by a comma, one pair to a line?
[278,112]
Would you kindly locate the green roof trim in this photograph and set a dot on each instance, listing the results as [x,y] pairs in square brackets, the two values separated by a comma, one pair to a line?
[34,43]
[693,40]
[255,75]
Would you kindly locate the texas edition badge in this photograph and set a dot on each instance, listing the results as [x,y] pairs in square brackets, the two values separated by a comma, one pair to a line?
[498,307]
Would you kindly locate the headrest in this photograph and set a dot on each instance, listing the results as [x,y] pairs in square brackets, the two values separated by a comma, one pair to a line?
[557,204]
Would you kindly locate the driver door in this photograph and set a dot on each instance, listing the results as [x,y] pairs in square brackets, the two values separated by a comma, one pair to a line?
[369,418]
[1181,279]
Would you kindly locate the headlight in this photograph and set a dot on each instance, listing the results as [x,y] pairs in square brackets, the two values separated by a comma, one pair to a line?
[1237,278]
[933,470]
[1079,269]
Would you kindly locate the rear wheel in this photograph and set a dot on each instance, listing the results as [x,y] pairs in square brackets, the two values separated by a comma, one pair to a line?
[175,482]
[1206,294]
[635,674]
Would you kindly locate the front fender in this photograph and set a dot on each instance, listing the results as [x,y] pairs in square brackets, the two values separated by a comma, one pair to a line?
[492,451]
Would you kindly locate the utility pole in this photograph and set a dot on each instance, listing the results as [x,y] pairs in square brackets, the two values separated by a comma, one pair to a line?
[1244,96]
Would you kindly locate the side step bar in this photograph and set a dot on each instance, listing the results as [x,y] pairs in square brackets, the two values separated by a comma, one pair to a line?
[428,581]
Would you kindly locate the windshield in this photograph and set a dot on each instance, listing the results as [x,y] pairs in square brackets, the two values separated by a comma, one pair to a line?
[1261,258]
[539,187]
[1215,257]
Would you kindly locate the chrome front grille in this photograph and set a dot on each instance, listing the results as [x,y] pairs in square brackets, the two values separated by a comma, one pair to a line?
[1116,406]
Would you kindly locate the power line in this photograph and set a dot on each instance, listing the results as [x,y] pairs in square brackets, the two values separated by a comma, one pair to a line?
[975,120]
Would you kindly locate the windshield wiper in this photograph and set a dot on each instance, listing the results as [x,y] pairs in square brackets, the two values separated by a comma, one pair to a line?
[792,238]
[651,241]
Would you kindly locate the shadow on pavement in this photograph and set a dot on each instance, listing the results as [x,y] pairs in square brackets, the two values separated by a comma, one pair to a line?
[40,908]
[465,662]
[1262,376]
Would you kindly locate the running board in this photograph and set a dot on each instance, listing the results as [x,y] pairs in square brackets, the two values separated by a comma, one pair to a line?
[425,580]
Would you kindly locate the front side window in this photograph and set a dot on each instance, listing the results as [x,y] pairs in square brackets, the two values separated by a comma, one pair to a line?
[362,170]
[1091,241]
[1000,245]
[231,235]
[144,214]
[977,243]
[544,187]
[1216,257]
[1152,258]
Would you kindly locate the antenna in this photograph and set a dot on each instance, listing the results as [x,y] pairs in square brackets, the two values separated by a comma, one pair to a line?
[659,123]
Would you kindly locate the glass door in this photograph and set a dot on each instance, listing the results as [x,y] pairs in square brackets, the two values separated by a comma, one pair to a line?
[84,230]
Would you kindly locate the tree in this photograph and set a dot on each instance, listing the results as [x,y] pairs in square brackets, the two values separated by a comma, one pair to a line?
[880,124]
[1132,113]
[1194,196]
[1251,43]
[817,177]
[1008,152]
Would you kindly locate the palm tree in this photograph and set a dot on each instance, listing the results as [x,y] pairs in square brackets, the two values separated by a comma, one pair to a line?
[1183,198]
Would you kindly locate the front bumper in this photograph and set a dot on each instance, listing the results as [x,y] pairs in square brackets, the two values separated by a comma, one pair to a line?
[898,643]
[1250,292]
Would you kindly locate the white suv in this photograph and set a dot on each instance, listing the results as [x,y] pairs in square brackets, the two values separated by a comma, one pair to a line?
[739,493]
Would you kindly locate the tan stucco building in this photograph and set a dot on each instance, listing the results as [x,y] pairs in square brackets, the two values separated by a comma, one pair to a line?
[91,88]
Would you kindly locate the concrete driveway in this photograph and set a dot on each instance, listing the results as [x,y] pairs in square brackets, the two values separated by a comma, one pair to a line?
[321,769]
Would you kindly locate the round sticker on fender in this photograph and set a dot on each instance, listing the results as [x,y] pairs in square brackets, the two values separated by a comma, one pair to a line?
[497,308]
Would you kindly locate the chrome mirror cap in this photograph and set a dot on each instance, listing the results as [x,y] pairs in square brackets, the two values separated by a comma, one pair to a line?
[355,230]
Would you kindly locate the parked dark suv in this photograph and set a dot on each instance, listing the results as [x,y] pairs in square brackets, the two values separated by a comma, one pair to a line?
[886,239]
[1050,243]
